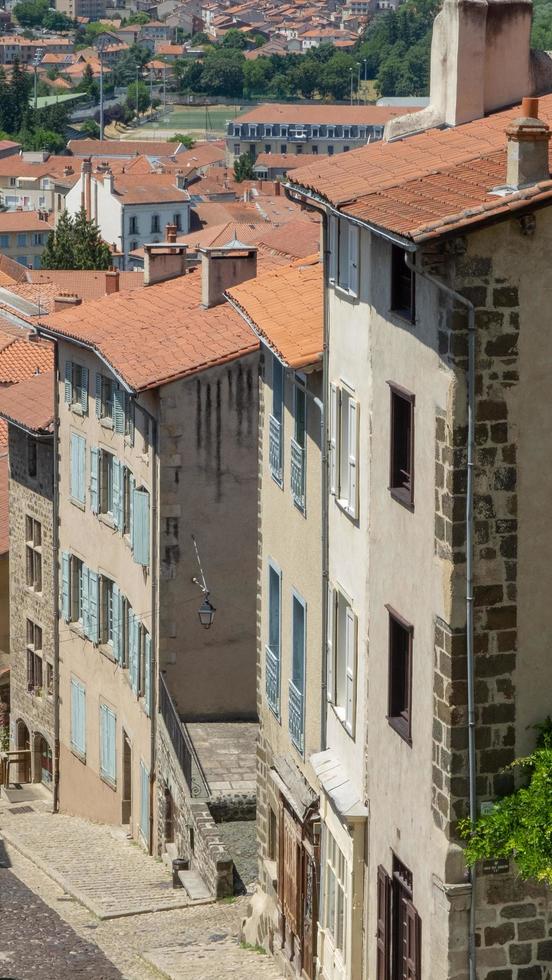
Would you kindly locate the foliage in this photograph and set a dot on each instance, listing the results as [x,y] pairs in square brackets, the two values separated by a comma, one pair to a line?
[37,13]
[140,17]
[235,39]
[183,138]
[243,167]
[200,38]
[124,71]
[41,139]
[90,129]
[75,244]
[138,98]
[222,72]
[520,825]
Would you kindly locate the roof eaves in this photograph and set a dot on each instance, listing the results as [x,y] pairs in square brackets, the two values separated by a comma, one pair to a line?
[39,432]
[46,331]
[198,368]
[301,362]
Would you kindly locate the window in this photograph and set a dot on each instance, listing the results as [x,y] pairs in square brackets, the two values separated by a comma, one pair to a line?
[78,718]
[344,254]
[330,151]
[4,241]
[23,260]
[127,492]
[155,227]
[400,674]
[108,759]
[346,149]
[106,505]
[49,679]
[267,147]
[76,386]
[106,485]
[108,612]
[283,148]
[399,927]
[133,246]
[38,238]
[80,595]
[33,535]
[133,226]
[335,904]
[77,591]
[105,394]
[34,658]
[236,149]
[403,285]
[78,467]
[298,443]
[341,657]
[31,456]
[314,149]
[401,462]
[177,221]
[343,448]
[272,680]
[140,526]
[276,421]
[297,684]
[22,239]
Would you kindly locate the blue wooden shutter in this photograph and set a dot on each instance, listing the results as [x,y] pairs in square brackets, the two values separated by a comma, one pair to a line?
[116,616]
[148,674]
[129,413]
[117,483]
[94,479]
[98,395]
[108,728]
[78,717]
[141,527]
[93,606]
[78,466]
[133,649]
[85,601]
[119,410]
[131,484]
[84,390]
[144,802]
[68,382]
[65,587]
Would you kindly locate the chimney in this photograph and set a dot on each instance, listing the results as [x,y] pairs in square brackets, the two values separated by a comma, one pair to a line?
[111,281]
[64,301]
[163,261]
[224,267]
[108,181]
[180,180]
[528,138]
[86,195]
[170,233]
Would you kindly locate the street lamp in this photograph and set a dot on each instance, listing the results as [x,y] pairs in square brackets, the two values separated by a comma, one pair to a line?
[351,71]
[101,48]
[206,611]
[36,62]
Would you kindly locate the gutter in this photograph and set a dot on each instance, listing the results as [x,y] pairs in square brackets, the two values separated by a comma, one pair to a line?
[66,338]
[472,766]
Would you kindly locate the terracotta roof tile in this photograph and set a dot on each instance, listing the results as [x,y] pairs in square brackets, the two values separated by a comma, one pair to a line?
[371,115]
[287,161]
[88,284]
[30,404]
[121,148]
[23,358]
[285,308]
[22,221]
[154,335]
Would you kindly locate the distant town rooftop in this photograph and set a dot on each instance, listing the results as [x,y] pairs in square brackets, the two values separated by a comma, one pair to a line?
[367,115]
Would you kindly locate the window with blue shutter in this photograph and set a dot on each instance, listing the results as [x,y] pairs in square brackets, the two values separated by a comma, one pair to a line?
[119,422]
[93,605]
[83,390]
[148,678]
[117,492]
[94,480]
[144,802]
[78,467]
[108,734]
[141,530]
[68,382]
[116,622]
[78,717]
[131,486]
[272,661]
[66,586]
[133,649]
[296,708]
[83,577]
[98,395]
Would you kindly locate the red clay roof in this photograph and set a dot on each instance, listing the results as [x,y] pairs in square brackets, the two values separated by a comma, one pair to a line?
[296,238]
[285,308]
[147,188]
[11,271]
[428,184]
[122,148]
[153,336]
[286,161]
[30,404]
[22,221]
[88,284]
[370,115]
[23,358]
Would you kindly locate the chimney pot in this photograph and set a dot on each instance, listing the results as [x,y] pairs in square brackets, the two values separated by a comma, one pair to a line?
[65,300]
[530,108]
[222,268]
[528,139]
[111,281]
[170,233]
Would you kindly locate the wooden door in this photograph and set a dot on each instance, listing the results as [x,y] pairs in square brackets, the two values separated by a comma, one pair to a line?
[291,872]
[311,872]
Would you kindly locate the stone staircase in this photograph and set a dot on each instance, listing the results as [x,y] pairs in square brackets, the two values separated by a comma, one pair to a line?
[191,880]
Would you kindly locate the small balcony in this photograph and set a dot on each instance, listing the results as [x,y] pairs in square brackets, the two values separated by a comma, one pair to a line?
[296,707]
[298,474]
[272,670]
[275,448]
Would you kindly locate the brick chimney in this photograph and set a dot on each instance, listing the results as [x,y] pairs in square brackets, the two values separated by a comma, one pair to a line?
[64,301]
[86,193]
[163,261]
[528,139]
[224,267]
[111,281]
[170,233]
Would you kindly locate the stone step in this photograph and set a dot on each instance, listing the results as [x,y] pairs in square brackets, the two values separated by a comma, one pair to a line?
[169,855]
[194,885]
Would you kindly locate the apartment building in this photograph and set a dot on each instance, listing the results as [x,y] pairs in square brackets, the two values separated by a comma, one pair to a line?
[141,487]
[28,409]
[92,9]
[36,182]
[289,637]
[23,235]
[18,48]
[294,129]
[437,524]
[131,210]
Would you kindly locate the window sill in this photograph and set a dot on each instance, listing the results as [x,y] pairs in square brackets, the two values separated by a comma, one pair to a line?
[340,715]
[107,651]
[106,423]
[78,503]
[403,497]
[107,520]
[344,291]
[275,711]
[345,508]
[30,589]
[77,409]
[81,756]
[77,630]
[112,783]
[401,727]
[402,316]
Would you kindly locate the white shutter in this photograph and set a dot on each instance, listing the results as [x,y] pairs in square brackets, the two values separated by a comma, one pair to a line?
[352,451]
[333,447]
[116,609]
[330,645]
[354,249]
[332,243]
[350,668]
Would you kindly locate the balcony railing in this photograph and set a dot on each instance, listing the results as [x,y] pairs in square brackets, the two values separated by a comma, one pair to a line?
[181,743]
[296,716]
[275,448]
[298,474]
[272,681]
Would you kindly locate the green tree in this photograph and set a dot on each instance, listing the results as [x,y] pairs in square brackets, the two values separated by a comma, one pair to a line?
[306,77]
[243,168]
[234,39]
[76,243]
[183,138]
[19,90]
[124,71]
[41,139]
[257,75]
[30,13]
[138,97]
[56,20]
[6,108]
[90,129]
[335,77]
[223,72]
[140,17]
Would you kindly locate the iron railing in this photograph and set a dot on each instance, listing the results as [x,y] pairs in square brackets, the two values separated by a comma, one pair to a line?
[181,743]
[296,723]
[298,474]
[275,448]
[272,683]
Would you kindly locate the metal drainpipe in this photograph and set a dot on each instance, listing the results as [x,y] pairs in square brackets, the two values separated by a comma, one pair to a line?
[472,768]
[325,507]
[55,600]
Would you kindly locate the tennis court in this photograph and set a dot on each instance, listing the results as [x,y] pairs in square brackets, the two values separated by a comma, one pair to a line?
[194,119]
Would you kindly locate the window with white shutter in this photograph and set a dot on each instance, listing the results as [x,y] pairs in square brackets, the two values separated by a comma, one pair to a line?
[330,644]
[66,586]
[342,643]
[141,526]
[108,755]
[78,718]
[354,251]
[343,453]
[273,651]
[76,386]
[94,480]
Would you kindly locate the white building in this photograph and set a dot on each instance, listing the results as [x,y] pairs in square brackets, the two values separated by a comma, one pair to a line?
[130,210]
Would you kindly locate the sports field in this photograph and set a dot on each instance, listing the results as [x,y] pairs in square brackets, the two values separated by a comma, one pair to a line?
[195,120]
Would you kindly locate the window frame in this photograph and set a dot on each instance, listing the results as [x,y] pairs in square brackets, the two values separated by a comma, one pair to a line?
[334,883]
[340,667]
[401,492]
[344,463]
[276,655]
[33,553]
[400,720]
[398,277]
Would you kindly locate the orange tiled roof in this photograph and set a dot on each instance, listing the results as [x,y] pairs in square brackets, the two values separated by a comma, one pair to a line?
[146,188]
[23,358]
[288,161]
[23,221]
[154,335]
[11,271]
[30,404]
[121,148]
[271,304]
[296,238]
[371,115]
[428,184]
[89,284]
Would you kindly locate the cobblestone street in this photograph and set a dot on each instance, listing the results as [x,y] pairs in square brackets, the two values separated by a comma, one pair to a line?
[191,943]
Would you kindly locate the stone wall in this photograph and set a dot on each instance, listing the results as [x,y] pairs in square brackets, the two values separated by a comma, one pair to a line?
[31,496]
[196,834]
